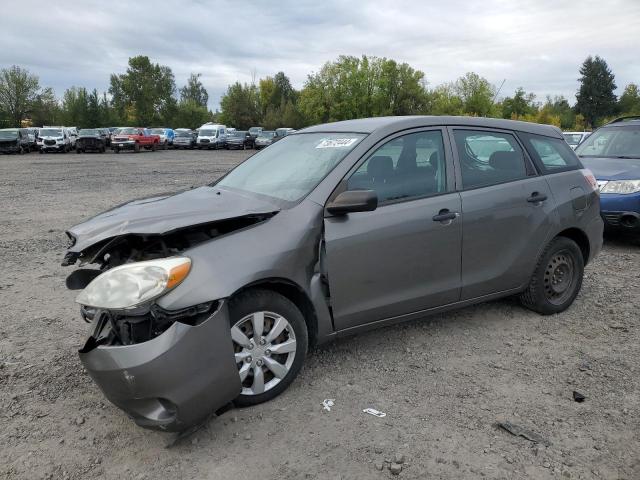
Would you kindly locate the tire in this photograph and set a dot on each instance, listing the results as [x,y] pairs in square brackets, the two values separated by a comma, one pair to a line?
[42,152]
[116,150]
[136,148]
[165,146]
[255,358]
[103,149]
[78,151]
[557,278]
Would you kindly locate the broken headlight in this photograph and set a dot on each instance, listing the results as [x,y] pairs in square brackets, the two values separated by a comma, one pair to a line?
[133,284]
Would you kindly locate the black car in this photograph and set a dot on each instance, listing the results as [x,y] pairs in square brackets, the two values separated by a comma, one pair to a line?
[106,134]
[14,140]
[240,140]
[91,139]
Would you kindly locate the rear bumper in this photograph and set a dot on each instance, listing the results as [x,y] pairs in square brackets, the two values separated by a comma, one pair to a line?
[172,381]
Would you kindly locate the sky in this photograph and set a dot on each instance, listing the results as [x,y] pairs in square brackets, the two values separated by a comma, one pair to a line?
[535,44]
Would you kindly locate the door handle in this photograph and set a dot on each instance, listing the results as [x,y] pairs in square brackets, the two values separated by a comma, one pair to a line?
[537,197]
[445,215]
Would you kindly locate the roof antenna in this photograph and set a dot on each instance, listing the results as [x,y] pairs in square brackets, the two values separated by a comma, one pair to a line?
[496,95]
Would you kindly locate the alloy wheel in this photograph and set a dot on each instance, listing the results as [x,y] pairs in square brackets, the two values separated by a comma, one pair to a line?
[265,348]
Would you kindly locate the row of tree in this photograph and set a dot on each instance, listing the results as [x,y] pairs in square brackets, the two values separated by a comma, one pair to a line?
[346,88]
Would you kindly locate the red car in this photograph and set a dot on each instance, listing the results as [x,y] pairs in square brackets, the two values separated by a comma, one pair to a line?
[133,138]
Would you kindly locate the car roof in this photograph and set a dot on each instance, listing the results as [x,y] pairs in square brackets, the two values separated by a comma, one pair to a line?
[370,125]
[631,120]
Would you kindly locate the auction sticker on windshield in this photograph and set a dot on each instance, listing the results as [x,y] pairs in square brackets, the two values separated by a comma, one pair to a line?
[336,142]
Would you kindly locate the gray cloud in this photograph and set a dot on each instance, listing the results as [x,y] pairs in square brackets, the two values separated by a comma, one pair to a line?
[536,44]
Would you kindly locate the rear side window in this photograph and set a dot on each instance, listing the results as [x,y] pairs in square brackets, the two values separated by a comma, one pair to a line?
[550,154]
[488,158]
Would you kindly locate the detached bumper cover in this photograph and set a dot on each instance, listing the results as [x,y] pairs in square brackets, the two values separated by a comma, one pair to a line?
[172,381]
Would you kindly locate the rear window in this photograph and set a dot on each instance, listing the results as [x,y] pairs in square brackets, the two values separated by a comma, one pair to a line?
[550,154]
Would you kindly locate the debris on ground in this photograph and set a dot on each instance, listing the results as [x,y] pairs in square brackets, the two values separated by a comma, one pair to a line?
[519,431]
[374,412]
[578,397]
[327,403]
[395,468]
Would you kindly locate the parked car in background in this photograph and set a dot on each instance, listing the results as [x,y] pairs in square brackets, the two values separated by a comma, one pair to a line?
[91,140]
[131,138]
[15,140]
[612,153]
[73,136]
[264,139]
[211,135]
[166,136]
[33,138]
[54,139]
[281,133]
[255,131]
[185,139]
[575,138]
[216,294]
[239,140]
[105,133]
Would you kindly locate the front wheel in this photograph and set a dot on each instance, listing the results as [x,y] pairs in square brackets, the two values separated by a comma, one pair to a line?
[270,342]
[154,147]
[557,278]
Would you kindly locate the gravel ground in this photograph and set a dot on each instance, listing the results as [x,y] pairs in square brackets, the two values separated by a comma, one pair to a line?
[443,382]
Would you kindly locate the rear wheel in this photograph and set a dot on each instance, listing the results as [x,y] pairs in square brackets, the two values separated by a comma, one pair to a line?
[557,278]
[136,148]
[270,342]
[154,146]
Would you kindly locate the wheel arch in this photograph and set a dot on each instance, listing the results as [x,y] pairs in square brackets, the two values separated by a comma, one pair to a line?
[293,292]
[581,239]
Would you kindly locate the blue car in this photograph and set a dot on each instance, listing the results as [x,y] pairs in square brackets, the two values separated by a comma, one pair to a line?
[612,153]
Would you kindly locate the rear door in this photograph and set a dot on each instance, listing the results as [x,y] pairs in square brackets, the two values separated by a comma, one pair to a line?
[404,256]
[507,210]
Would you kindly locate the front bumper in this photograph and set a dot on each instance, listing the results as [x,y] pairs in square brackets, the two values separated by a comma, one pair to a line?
[52,148]
[123,144]
[621,212]
[173,381]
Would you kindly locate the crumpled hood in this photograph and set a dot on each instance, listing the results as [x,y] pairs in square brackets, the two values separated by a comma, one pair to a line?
[613,168]
[166,213]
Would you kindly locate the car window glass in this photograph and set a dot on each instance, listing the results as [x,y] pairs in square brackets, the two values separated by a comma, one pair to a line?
[488,158]
[406,167]
[552,153]
[611,142]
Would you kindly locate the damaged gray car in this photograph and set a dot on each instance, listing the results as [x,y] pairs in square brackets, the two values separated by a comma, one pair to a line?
[215,295]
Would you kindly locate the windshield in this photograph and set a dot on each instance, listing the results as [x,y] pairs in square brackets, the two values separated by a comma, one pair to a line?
[128,131]
[289,169]
[614,142]
[8,134]
[50,132]
[238,134]
[572,139]
[255,130]
[88,132]
[158,131]
[207,133]
[267,134]
[183,134]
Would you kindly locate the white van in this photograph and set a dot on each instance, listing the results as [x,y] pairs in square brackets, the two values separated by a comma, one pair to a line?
[211,135]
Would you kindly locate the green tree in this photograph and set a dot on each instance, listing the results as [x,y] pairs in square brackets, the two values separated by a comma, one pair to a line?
[45,109]
[241,106]
[75,107]
[18,91]
[194,92]
[352,87]
[190,114]
[476,94]
[596,99]
[443,100]
[629,102]
[521,104]
[144,95]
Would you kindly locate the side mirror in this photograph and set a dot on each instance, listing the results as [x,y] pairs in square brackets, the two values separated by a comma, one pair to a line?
[353,201]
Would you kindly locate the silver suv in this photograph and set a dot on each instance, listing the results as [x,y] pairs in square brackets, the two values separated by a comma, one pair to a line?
[216,294]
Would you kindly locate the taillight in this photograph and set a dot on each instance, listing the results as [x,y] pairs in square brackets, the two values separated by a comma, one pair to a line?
[590,178]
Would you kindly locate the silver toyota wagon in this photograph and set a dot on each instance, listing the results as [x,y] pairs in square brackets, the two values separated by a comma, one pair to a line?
[215,295]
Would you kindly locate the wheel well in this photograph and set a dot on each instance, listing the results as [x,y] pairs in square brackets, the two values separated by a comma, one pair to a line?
[294,293]
[580,238]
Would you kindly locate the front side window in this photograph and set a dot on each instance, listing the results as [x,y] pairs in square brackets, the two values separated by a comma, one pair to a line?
[613,142]
[406,167]
[290,169]
[552,154]
[488,158]
[8,134]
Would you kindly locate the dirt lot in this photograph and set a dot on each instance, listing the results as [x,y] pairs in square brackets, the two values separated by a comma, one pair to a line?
[443,382]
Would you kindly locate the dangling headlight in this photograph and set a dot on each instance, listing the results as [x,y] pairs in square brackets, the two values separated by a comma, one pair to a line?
[133,284]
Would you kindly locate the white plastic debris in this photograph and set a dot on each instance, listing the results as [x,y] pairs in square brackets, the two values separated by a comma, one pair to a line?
[327,403]
[374,412]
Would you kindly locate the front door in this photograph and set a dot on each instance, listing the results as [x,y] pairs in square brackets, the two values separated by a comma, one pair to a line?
[404,256]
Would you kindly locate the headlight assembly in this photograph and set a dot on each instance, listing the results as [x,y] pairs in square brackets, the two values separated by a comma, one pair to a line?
[622,187]
[133,284]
